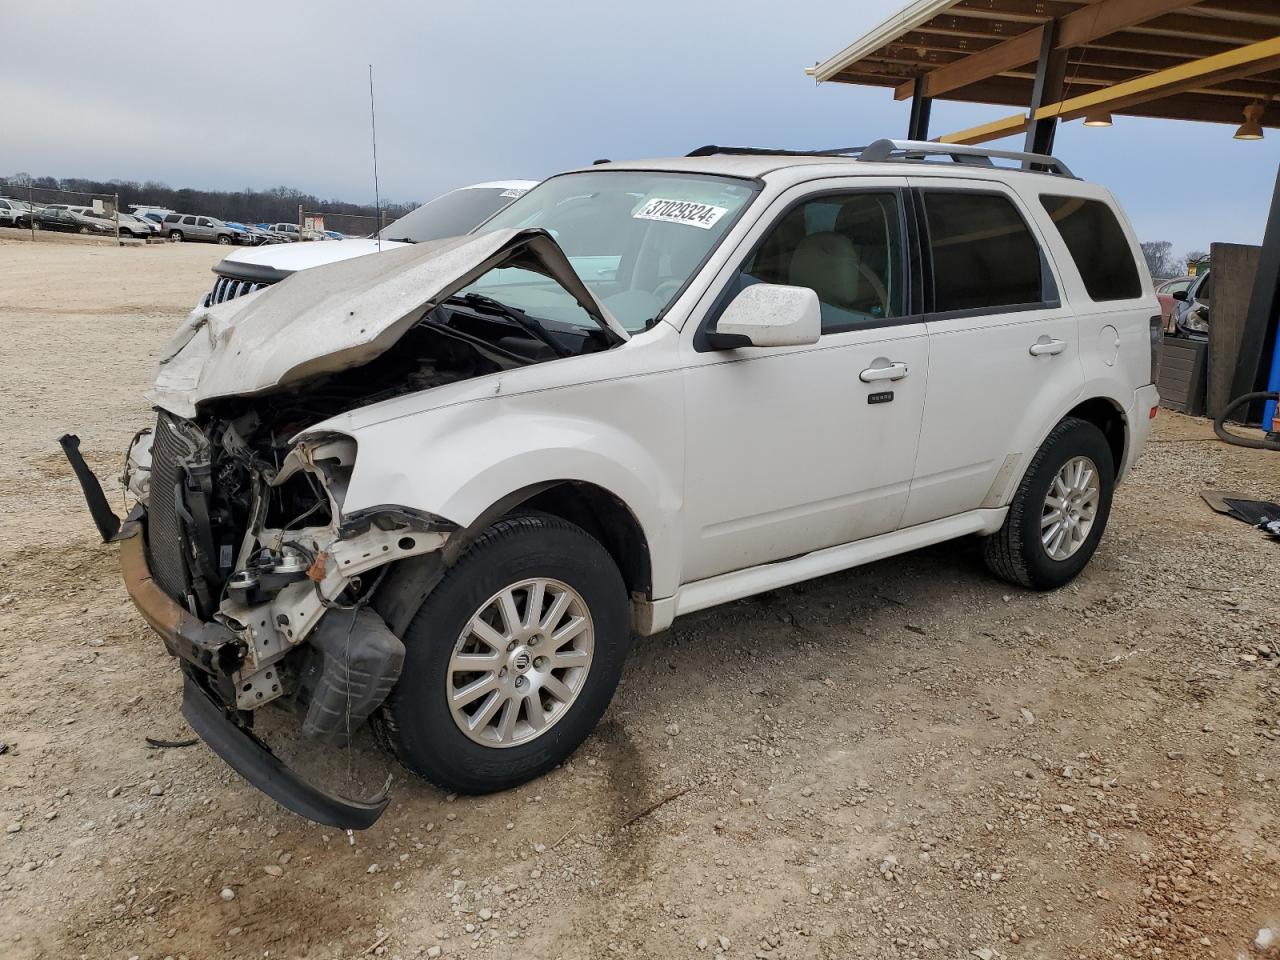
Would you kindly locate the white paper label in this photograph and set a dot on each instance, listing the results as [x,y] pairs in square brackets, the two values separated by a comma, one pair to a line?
[688,212]
[512,193]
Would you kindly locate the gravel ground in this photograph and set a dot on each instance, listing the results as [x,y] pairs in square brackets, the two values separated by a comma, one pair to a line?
[907,760]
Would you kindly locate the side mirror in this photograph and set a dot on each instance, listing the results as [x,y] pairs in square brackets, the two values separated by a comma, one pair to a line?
[768,315]
[1179,295]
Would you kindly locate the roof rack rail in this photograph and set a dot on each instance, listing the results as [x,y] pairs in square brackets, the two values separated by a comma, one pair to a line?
[883,151]
[890,150]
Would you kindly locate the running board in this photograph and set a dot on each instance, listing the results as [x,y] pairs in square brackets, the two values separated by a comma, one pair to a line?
[653,617]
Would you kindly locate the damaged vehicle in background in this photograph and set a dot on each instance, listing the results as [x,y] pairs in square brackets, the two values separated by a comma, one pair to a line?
[448,215]
[438,489]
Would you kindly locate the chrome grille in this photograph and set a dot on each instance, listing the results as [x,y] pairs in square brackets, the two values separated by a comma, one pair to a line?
[164,533]
[228,288]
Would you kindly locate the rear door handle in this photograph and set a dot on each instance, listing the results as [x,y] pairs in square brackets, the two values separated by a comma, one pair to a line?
[883,369]
[1047,346]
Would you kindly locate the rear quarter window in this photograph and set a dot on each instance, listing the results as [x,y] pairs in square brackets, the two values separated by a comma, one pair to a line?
[1098,246]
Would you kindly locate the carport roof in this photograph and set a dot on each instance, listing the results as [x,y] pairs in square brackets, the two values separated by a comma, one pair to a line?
[1153,58]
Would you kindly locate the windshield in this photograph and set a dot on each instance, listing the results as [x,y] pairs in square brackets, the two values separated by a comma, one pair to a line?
[451,215]
[634,237]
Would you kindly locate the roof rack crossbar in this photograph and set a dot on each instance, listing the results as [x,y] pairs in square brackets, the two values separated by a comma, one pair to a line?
[889,150]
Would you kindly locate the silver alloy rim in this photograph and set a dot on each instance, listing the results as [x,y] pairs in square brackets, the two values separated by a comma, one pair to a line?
[1070,507]
[520,663]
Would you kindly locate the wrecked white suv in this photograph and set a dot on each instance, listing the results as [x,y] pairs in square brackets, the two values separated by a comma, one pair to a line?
[439,489]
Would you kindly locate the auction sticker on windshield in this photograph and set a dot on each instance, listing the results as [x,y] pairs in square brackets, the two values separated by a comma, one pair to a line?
[688,212]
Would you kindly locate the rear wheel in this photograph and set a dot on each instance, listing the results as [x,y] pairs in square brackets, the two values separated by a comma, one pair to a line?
[512,658]
[175,235]
[1060,510]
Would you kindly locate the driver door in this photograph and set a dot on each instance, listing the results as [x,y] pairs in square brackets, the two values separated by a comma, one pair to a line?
[793,449]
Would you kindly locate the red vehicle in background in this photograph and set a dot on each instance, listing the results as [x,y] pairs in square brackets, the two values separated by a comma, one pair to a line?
[1165,290]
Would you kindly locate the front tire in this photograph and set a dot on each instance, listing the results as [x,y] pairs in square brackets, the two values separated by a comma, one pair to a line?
[511,660]
[1059,512]
[223,239]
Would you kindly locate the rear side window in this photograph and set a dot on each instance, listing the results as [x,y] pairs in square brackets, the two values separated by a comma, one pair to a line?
[1098,246]
[984,254]
[172,218]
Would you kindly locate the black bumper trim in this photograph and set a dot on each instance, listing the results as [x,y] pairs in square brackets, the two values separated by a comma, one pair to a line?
[248,756]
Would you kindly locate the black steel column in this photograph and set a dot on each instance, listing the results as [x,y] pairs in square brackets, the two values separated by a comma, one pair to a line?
[1051,70]
[1259,335]
[918,127]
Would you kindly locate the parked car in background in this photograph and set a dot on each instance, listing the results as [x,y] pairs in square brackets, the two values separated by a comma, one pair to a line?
[450,214]
[251,235]
[1191,315]
[73,220]
[290,231]
[480,489]
[186,226]
[14,213]
[139,228]
[1165,290]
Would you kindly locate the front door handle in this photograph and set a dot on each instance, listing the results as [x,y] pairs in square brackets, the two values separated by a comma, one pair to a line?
[883,369]
[1047,347]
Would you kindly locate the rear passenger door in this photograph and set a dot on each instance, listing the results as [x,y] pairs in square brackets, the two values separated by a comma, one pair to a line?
[1004,351]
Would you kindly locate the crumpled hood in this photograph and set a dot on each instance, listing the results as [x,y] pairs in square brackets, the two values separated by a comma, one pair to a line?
[341,315]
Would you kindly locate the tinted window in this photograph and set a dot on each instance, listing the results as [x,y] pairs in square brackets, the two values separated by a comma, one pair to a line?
[1098,246]
[984,254]
[846,248]
[206,222]
[450,215]
[172,218]
[189,221]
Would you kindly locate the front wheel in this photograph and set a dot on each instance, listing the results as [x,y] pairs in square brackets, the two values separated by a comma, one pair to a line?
[511,659]
[223,239]
[1060,510]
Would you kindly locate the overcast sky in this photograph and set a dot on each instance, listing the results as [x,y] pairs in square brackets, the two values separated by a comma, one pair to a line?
[256,94]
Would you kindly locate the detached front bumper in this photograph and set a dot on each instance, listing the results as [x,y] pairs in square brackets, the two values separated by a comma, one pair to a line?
[210,653]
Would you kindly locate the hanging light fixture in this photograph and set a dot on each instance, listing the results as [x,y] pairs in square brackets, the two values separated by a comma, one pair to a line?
[1098,118]
[1251,129]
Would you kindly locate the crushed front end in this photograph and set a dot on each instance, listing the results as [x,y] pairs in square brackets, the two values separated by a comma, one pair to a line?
[238,554]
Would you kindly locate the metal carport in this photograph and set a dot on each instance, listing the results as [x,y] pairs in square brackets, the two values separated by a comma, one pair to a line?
[1215,61]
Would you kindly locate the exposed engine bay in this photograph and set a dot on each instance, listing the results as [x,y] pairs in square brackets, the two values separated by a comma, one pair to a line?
[247,528]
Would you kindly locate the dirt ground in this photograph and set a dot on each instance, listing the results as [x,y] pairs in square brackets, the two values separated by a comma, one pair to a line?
[907,760]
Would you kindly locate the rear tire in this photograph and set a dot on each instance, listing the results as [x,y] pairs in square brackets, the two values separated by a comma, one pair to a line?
[555,689]
[175,236]
[1059,512]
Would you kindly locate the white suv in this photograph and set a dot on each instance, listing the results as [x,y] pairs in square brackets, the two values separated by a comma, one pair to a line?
[440,488]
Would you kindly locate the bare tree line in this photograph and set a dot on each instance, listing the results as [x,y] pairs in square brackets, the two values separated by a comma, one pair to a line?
[1163,264]
[275,205]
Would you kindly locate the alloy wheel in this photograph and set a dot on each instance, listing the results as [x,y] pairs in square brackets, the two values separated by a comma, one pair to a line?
[1070,507]
[520,662]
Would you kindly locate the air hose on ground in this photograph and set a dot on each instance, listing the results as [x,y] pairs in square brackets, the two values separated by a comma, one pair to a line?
[1272,442]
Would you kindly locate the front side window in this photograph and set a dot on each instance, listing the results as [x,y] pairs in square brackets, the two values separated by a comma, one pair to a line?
[1098,246]
[984,254]
[847,248]
[206,222]
[634,237]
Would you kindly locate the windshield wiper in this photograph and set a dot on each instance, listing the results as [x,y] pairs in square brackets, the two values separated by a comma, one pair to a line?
[529,324]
